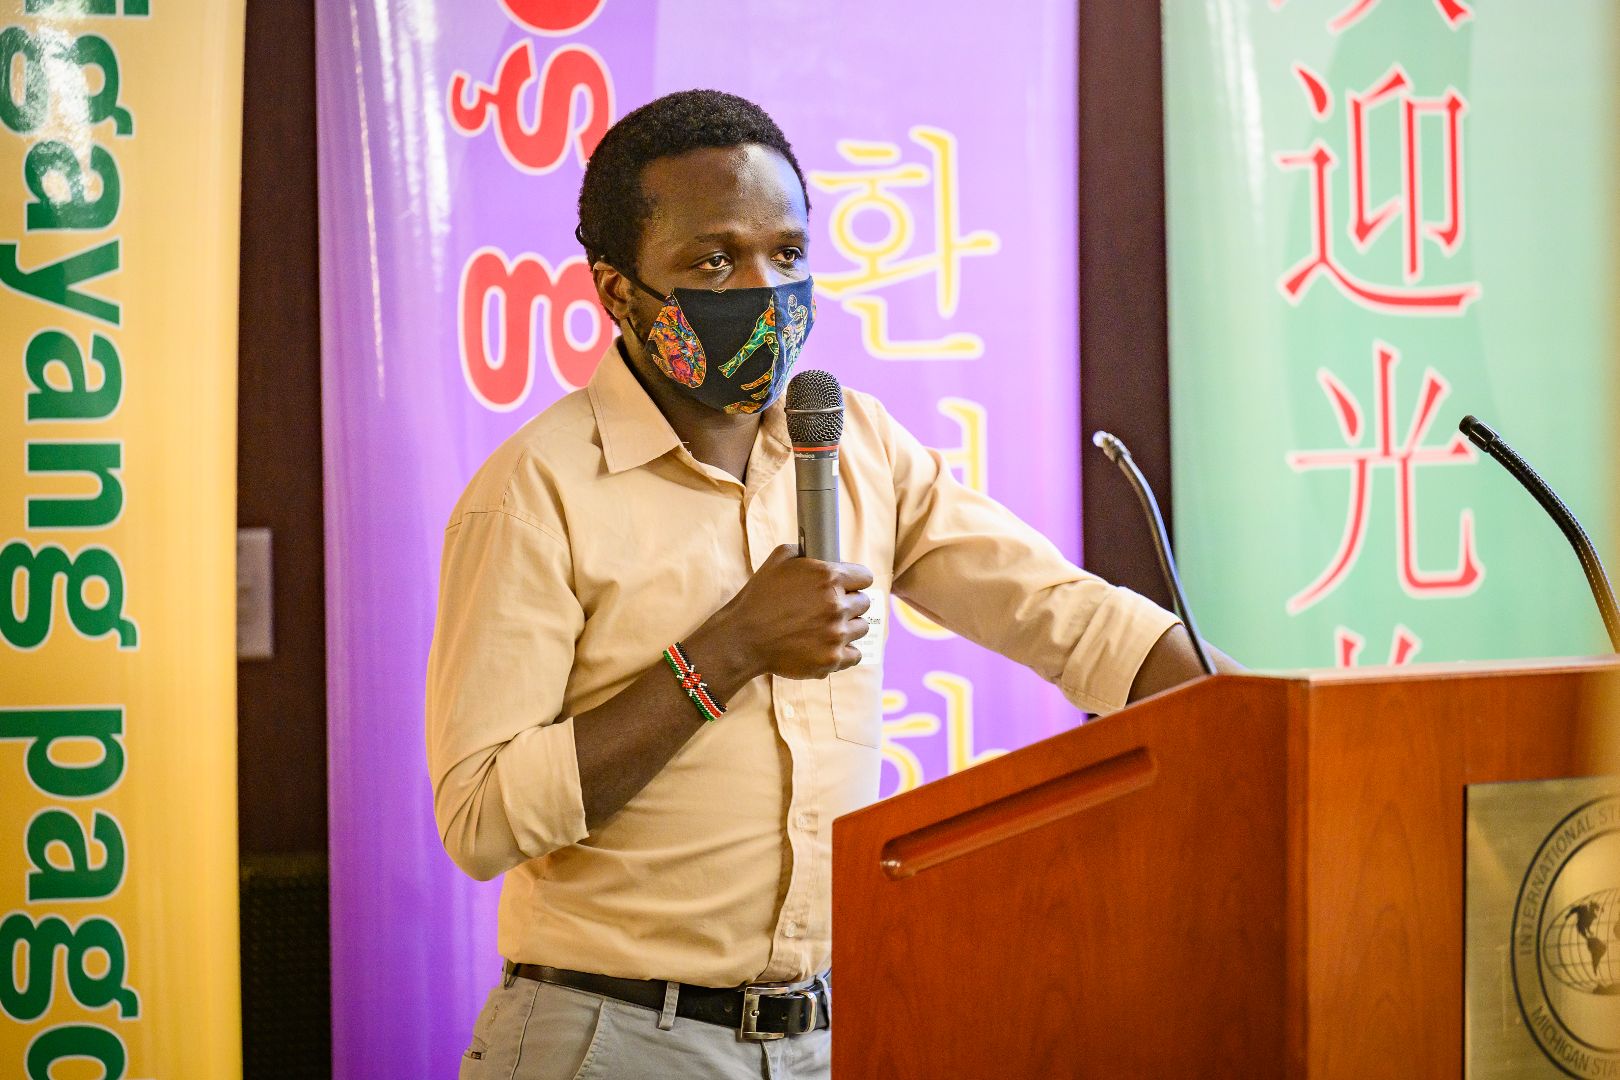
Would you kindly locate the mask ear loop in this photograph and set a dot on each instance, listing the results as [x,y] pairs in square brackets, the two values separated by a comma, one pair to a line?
[664,301]
[591,249]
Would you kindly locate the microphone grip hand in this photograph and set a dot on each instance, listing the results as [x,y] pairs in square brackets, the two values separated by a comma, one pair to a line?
[796,617]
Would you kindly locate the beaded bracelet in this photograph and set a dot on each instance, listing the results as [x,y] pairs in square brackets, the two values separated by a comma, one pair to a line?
[692,682]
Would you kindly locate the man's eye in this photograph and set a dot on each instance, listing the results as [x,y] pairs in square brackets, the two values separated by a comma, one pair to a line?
[714,262]
[790,255]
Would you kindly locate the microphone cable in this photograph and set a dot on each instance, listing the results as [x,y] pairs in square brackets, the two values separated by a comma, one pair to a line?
[1481,435]
[1119,455]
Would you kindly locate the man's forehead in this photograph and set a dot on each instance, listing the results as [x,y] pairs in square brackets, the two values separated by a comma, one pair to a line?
[716,190]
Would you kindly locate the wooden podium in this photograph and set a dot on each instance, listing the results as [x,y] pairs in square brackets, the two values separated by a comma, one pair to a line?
[1249,876]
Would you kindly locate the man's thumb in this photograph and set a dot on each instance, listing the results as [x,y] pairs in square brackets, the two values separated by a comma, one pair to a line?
[781,555]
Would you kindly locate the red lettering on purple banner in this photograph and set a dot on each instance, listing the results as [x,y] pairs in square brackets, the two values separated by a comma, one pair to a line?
[573,75]
[553,17]
[500,373]
[570,107]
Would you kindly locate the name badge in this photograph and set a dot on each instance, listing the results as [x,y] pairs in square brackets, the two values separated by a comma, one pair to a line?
[871,646]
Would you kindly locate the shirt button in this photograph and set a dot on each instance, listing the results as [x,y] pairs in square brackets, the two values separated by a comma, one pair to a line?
[802,821]
[787,711]
[792,930]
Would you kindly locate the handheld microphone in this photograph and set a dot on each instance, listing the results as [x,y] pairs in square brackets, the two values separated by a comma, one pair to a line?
[1481,435]
[815,420]
[1119,455]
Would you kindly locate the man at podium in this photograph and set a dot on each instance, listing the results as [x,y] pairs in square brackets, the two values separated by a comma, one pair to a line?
[644,709]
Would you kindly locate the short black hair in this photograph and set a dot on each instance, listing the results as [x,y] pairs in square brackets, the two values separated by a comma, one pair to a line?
[612,206]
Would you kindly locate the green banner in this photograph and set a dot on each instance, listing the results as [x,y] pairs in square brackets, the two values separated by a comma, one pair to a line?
[1384,215]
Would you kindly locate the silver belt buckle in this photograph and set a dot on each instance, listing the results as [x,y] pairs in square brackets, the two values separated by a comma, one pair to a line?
[749,1030]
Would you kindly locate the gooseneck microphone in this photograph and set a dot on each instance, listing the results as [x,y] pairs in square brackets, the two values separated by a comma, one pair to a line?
[1481,435]
[815,420]
[1119,455]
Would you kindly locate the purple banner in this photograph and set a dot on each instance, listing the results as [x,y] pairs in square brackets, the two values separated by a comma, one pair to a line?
[940,153]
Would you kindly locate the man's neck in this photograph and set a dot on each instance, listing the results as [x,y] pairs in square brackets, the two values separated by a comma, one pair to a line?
[723,440]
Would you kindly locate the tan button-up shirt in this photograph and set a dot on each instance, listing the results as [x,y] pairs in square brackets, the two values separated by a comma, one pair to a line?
[591,540]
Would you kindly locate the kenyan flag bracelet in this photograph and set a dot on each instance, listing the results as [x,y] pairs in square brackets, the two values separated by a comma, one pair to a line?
[692,682]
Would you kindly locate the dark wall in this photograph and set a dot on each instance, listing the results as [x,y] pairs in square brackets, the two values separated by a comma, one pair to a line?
[281,703]
[1124,353]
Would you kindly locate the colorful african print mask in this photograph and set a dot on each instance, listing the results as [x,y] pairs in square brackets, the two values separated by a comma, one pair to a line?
[731,349]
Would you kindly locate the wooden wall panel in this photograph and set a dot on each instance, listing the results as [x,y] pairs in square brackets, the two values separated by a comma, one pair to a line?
[281,703]
[1123,324]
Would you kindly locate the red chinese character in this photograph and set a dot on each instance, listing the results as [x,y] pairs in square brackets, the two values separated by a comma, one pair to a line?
[1365,222]
[1403,459]
[1347,645]
[1453,11]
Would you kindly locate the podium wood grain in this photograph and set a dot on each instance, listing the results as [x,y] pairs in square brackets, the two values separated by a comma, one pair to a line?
[1247,877]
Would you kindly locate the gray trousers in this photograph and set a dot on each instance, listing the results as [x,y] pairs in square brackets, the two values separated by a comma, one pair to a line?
[537,1031]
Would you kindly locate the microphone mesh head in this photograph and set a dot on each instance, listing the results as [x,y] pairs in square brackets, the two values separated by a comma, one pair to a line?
[815,409]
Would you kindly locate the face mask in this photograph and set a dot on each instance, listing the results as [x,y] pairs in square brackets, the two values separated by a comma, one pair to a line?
[731,349]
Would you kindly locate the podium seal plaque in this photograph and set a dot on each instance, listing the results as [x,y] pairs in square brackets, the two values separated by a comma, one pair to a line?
[1544,896]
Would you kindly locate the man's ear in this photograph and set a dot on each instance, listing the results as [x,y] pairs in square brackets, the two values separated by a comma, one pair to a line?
[612,289]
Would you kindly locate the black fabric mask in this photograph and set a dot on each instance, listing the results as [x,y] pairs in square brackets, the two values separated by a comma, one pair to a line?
[731,349]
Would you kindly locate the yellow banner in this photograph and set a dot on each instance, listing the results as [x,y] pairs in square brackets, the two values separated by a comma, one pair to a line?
[120,157]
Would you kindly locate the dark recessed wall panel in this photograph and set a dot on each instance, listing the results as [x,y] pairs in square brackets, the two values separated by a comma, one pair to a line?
[1124,352]
[281,702]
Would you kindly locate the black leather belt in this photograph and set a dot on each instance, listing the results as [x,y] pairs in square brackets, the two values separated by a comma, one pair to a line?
[756,1013]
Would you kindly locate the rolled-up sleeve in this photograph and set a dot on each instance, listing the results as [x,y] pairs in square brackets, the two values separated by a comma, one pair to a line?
[505,777]
[974,567]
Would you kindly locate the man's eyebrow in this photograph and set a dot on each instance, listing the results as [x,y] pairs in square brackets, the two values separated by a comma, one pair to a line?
[731,234]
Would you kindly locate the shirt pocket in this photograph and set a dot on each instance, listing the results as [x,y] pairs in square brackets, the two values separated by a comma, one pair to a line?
[856,694]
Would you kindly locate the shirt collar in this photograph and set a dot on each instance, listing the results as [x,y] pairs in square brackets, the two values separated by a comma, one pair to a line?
[634,430]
